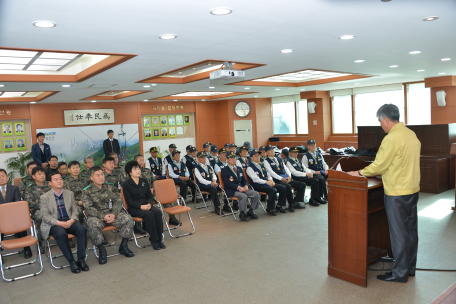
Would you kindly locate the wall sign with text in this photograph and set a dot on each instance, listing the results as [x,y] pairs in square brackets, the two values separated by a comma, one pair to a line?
[88,117]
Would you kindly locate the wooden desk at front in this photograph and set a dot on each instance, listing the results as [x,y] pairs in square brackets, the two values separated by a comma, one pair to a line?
[357,222]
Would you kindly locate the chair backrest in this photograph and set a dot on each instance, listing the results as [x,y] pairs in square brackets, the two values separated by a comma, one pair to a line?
[247,178]
[222,185]
[15,217]
[16,181]
[124,202]
[165,191]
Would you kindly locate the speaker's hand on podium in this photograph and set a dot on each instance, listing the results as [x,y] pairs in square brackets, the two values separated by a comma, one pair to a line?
[355,173]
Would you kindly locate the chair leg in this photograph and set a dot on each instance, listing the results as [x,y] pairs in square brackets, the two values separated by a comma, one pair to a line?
[49,255]
[184,234]
[202,198]
[135,238]
[94,248]
[262,204]
[230,202]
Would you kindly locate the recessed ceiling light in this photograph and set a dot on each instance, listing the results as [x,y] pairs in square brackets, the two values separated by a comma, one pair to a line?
[386,0]
[32,101]
[167,36]
[66,85]
[414,52]
[145,99]
[431,18]
[147,86]
[286,51]
[277,89]
[393,66]
[44,24]
[356,83]
[359,60]
[246,88]
[94,101]
[420,70]
[255,96]
[220,11]
[203,99]
[175,100]
[302,89]
[445,59]
[442,73]
[211,87]
[346,37]
[2,85]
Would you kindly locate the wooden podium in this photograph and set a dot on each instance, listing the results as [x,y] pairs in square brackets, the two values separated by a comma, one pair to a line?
[358,229]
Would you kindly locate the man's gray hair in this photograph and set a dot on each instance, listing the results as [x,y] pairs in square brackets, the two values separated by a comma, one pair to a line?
[389,111]
[86,159]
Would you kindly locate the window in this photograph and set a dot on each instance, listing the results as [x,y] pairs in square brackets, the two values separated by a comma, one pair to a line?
[418,104]
[303,127]
[284,118]
[342,114]
[366,106]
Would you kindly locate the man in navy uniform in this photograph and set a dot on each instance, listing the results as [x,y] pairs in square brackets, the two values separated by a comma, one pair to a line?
[179,173]
[236,186]
[187,150]
[212,159]
[190,161]
[169,158]
[221,162]
[302,174]
[262,182]
[243,160]
[262,154]
[207,180]
[315,162]
[207,148]
[155,164]
[281,175]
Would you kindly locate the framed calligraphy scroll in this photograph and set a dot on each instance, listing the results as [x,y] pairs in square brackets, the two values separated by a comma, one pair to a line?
[88,117]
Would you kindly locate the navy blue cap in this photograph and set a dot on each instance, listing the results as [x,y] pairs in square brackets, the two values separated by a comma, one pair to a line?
[214,149]
[253,152]
[261,148]
[268,147]
[192,149]
[153,149]
[222,150]
[243,148]
[230,154]
[285,152]
[311,141]
[172,146]
[188,147]
[201,154]
[175,151]
[206,145]
[293,149]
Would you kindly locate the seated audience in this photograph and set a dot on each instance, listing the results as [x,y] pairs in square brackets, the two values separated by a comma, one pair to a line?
[221,162]
[75,183]
[207,180]
[155,164]
[115,178]
[179,173]
[214,156]
[63,169]
[27,179]
[59,213]
[103,205]
[207,149]
[236,186]
[190,160]
[315,162]
[243,160]
[53,163]
[118,168]
[262,154]
[10,193]
[138,195]
[88,163]
[169,158]
[284,154]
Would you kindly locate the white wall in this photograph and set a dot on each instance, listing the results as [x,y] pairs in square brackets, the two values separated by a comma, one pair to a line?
[4,157]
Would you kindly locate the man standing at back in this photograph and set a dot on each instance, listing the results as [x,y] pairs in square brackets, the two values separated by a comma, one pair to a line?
[111,144]
[41,152]
[398,162]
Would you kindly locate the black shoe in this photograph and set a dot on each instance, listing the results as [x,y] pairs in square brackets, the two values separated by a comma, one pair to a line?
[27,252]
[314,203]
[137,228]
[74,268]
[411,274]
[155,245]
[72,245]
[321,201]
[105,241]
[82,264]
[280,209]
[252,215]
[291,208]
[102,255]
[226,209]
[217,210]
[299,206]
[41,246]
[271,212]
[388,277]
[174,221]
[162,246]
[243,217]
[235,206]
[123,249]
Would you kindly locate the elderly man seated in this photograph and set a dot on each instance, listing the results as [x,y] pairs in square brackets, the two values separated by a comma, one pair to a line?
[315,162]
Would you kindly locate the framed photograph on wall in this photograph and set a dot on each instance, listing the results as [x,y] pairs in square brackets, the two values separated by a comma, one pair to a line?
[1,146]
[163,121]
[172,132]
[20,143]
[156,134]
[164,132]
[155,121]
[146,122]
[147,134]
[171,121]
[7,129]
[179,120]
[19,128]
[8,144]
[186,119]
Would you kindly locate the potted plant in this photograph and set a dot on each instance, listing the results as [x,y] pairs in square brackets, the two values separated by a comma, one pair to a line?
[18,163]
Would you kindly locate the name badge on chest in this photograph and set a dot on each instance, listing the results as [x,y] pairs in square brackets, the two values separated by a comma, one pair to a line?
[110,204]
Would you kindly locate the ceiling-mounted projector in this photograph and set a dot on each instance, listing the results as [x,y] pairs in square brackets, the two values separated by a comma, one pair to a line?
[227,72]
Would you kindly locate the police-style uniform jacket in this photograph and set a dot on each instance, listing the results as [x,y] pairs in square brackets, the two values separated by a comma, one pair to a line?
[208,175]
[180,170]
[191,164]
[233,180]
[212,160]
[278,168]
[220,165]
[244,163]
[315,163]
[156,166]
[261,173]
[296,165]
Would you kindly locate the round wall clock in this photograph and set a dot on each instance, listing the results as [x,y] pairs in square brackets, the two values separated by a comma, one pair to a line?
[242,109]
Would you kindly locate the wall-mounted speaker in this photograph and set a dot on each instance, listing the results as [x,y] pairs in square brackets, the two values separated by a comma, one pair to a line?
[441,98]
[311,106]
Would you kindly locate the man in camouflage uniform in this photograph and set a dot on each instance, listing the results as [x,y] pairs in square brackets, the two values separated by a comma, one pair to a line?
[27,179]
[112,177]
[103,204]
[118,168]
[75,183]
[88,163]
[32,196]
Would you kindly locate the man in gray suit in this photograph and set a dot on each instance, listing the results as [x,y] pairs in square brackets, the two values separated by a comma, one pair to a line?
[9,194]
[59,214]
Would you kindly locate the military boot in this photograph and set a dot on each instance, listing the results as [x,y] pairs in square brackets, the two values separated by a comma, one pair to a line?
[103,256]
[123,249]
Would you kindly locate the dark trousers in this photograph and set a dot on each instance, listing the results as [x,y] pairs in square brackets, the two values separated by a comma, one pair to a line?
[401,212]
[300,188]
[212,192]
[317,186]
[272,194]
[61,236]
[153,222]
[18,235]
[322,179]
[183,187]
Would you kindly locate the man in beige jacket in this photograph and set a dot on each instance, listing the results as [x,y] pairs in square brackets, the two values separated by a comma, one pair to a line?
[59,213]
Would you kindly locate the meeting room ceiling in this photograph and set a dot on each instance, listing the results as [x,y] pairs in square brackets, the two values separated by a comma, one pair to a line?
[255,32]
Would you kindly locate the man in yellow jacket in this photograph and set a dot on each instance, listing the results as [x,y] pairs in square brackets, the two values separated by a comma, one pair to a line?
[398,162]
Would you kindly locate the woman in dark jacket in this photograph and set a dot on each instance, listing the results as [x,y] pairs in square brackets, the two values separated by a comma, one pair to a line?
[139,198]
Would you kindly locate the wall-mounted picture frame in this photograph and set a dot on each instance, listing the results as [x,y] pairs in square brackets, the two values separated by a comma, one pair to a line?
[186,119]
[172,132]
[19,128]
[8,144]
[171,121]
[179,121]
[163,121]
[20,143]
[155,121]
[156,133]
[7,129]
[164,132]
[146,122]
[147,134]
